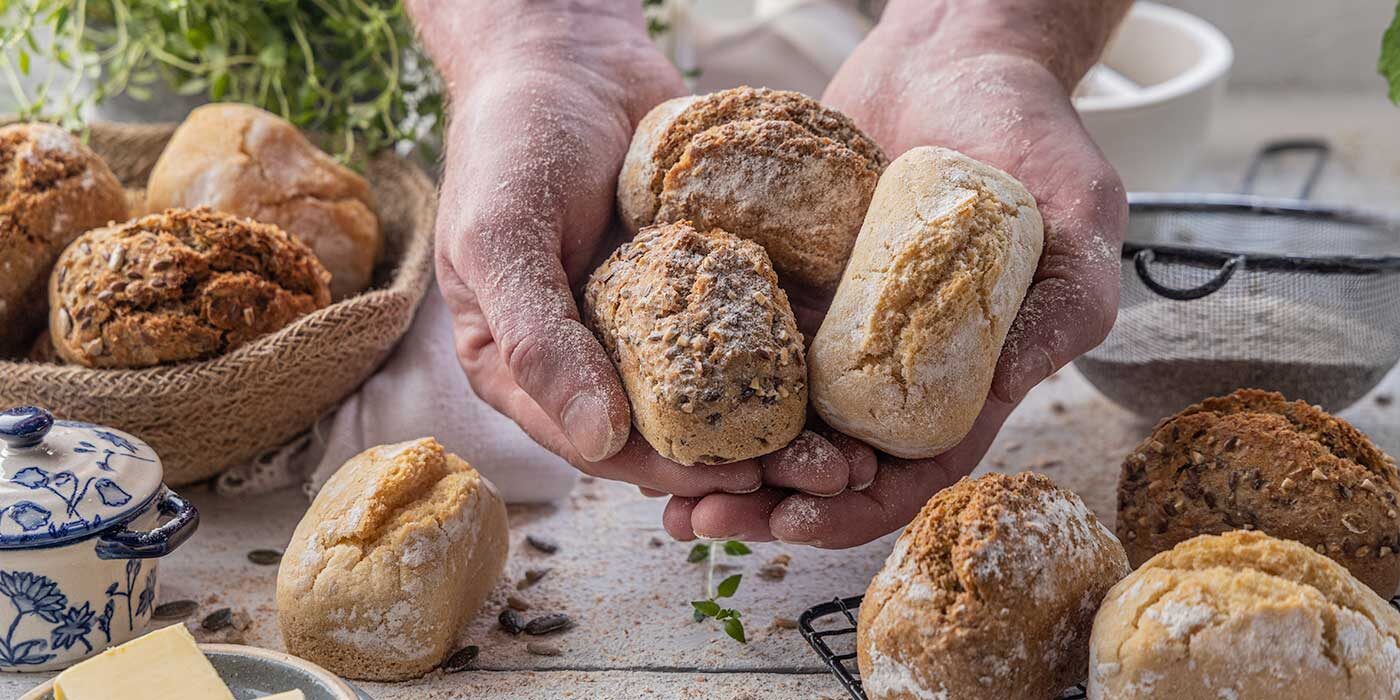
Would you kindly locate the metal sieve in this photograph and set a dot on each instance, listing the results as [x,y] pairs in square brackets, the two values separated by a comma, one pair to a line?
[1224,291]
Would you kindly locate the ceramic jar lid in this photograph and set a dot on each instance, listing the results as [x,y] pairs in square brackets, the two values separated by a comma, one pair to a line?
[63,480]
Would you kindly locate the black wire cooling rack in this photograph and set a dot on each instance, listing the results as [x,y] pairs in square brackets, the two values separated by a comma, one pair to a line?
[837,620]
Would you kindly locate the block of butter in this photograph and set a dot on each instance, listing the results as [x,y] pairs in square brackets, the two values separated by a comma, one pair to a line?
[163,664]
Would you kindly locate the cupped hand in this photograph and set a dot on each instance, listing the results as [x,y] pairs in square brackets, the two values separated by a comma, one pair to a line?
[543,109]
[1014,113]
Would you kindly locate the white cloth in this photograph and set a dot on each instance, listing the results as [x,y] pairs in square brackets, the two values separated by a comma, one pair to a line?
[421,391]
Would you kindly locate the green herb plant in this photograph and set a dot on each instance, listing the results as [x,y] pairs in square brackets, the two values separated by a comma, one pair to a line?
[1389,64]
[349,69]
[710,607]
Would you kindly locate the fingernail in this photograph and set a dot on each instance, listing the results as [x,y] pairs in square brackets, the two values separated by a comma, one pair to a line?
[825,495]
[864,486]
[801,543]
[740,492]
[587,424]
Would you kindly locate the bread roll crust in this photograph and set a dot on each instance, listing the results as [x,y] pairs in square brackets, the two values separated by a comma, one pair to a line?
[989,593]
[248,162]
[705,342]
[770,166]
[52,189]
[396,554]
[1248,617]
[905,357]
[177,286]
[1255,460]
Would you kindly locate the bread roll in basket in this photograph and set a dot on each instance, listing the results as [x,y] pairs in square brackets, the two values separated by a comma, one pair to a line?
[206,416]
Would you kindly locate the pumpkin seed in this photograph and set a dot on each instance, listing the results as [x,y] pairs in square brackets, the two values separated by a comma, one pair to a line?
[174,610]
[217,620]
[265,557]
[545,624]
[461,659]
[542,543]
[542,649]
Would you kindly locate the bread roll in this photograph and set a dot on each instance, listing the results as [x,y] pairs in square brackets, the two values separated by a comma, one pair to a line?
[395,555]
[906,354]
[1243,616]
[1253,460]
[989,593]
[705,342]
[176,286]
[773,167]
[245,161]
[52,188]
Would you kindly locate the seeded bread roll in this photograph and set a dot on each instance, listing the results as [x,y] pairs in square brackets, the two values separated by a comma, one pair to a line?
[1253,460]
[52,188]
[177,286]
[989,593]
[705,342]
[770,166]
[394,557]
[1243,616]
[245,161]
[906,354]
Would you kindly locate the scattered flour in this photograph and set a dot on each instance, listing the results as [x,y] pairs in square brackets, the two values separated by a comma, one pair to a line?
[888,676]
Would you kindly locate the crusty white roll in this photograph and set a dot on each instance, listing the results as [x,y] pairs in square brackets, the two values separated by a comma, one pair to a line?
[990,593]
[245,161]
[906,354]
[1244,616]
[396,554]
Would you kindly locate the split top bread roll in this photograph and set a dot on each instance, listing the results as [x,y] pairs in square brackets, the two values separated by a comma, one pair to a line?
[906,354]
[989,593]
[246,161]
[774,167]
[705,342]
[1244,616]
[396,554]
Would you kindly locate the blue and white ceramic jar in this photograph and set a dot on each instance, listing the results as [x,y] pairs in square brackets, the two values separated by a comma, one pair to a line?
[81,511]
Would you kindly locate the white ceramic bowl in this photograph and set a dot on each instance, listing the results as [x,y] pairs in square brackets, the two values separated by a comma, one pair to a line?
[1153,134]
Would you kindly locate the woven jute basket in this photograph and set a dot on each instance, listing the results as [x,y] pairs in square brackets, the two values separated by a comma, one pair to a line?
[204,417]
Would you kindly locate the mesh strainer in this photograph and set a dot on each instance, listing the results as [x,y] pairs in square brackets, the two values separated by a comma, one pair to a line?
[1229,291]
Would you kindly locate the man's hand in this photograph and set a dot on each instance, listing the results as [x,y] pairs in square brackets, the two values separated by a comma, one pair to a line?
[545,97]
[920,79]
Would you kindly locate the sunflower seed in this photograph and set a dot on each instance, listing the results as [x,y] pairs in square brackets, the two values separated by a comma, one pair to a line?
[265,557]
[784,623]
[542,543]
[117,258]
[557,622]
[543,649]
[517,602]
[217,620]
[175,610]
[511,621]
[461,659]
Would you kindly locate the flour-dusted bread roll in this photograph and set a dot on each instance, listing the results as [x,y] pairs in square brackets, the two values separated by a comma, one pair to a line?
[1254,460]
[245,161]
[396,554]
[770,166]
[906,354]
[1243,616]
[176,286]
[989,593]
[52,188]
[705,342]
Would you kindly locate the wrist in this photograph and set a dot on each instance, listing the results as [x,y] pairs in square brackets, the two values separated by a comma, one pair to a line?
[1064,36]
[469,39]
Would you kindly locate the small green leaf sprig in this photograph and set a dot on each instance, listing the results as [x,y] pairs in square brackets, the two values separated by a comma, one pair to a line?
[710,607]
[1389,63]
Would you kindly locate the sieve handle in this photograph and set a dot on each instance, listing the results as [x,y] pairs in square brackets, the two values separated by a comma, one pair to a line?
[1319,149]
[1145,257]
